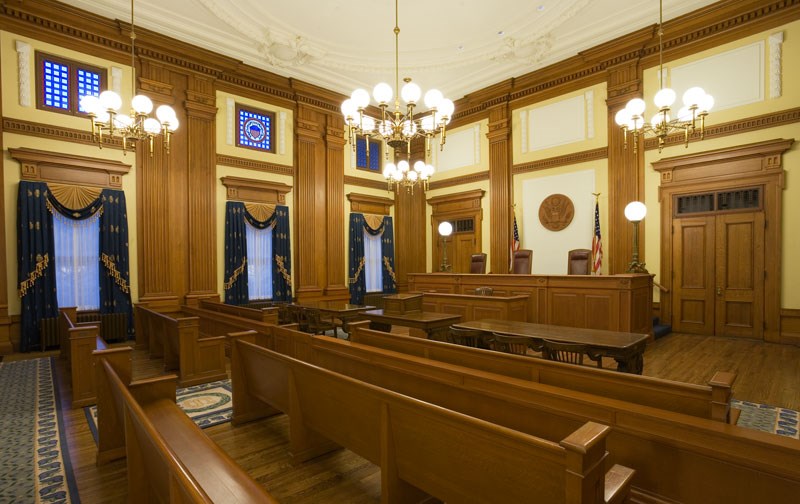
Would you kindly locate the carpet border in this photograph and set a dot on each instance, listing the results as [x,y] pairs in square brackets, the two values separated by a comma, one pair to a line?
[72,484]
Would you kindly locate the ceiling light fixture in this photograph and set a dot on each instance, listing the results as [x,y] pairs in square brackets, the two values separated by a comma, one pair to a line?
[138,126]
[397,129]
[696,103]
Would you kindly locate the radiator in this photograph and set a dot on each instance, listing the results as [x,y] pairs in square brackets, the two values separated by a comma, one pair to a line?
[113,326]
[48,333]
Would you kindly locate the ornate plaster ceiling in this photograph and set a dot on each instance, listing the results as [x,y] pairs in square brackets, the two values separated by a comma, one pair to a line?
[457,46]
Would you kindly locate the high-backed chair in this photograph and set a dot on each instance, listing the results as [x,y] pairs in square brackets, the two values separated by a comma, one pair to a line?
[465,337]
[563,352]
[579,262]
[510,344]
[478,263]
[523,261]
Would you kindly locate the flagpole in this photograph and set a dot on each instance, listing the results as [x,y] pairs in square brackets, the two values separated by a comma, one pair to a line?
[594,230]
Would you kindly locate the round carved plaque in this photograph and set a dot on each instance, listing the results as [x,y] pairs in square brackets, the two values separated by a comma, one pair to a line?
[556,212]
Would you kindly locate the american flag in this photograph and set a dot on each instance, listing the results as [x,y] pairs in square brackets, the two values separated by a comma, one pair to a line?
[597,243]
[514,243]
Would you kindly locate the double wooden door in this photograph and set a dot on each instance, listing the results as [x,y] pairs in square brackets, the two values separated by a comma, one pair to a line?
[718,266]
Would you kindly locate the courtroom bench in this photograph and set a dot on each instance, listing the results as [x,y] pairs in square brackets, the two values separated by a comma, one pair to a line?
[169,459]
[175,337]
[421,448]
[266,315]
[711,401]
[77,342]
[677,457]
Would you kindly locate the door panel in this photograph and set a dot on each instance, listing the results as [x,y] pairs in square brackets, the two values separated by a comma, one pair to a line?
[693,264]
[740,275]
[464,247]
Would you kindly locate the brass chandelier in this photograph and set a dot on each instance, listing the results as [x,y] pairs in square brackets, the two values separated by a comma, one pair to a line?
[696,104]
[398,128]
[137,127]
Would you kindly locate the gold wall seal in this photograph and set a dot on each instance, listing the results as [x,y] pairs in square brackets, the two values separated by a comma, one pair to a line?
[556,212]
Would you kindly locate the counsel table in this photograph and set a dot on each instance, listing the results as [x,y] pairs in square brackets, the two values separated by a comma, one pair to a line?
[345,312]
[434,324]
[626,348]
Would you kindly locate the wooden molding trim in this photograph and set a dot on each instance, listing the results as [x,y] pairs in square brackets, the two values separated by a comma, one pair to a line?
[366,203]
[457,181]
[69,168]
[256,191]
[21,127]
[442,204]
[252,164]
[565,160]
[363,182]
[783,117]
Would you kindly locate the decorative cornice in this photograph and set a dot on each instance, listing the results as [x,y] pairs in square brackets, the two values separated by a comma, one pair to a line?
[780,118]
[566,160]
[363,182]
[457,181]
[256,191]
[20,127]
[252,164]
[69,168]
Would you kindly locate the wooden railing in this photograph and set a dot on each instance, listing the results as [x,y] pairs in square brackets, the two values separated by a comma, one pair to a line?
[77,342]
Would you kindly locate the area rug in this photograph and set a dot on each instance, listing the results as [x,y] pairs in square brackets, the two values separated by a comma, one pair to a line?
[34,461]
[766,418]
[207,404]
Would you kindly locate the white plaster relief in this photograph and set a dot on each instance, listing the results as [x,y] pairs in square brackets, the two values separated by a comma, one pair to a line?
[24,71]
[230,110]
[282,133]
[116,81]
[523,133]
[589,99]
[775,67]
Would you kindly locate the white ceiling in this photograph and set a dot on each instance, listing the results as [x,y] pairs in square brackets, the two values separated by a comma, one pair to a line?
[457,46]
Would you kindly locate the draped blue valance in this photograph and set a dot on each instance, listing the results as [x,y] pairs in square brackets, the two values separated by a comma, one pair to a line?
[236,217]
[356,279]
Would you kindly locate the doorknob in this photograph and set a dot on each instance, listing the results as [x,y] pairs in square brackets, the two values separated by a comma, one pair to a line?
[719,291]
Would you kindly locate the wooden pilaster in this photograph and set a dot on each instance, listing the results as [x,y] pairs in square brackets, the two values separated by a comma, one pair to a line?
[5,321]
[410,243]
[500,186]
[334,142]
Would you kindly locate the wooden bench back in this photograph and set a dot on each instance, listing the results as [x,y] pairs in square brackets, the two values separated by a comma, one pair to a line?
[697,400]
[77,342]
[265,315]
[454,457]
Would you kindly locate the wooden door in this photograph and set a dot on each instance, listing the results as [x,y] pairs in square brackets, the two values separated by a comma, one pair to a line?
[718,263]
[740,275]
[693,266]
[463,248]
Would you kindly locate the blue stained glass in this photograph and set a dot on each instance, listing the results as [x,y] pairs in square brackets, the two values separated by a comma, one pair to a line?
[255,130]
[374,155]
[56,85]
[88,84]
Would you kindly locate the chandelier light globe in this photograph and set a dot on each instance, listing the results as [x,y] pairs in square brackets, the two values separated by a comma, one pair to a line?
[635,211]
[152,126]
[110,100]
[426,124]
[382,93]
[659,120]
[411,93]
[636,107]
[122,121]
[446,109]
[360,98]
[397,176]
[172,125]
[432,98]
[622,117]
[664,98]
[388,170]
[142,104]
[693,96]
[402,165]
[90,104]
[706,103]
[165,114]
[419,166]
[445,228]
[412,175]
[368,124]
[685,114]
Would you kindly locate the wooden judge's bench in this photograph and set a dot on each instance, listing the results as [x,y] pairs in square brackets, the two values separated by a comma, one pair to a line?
[611,302]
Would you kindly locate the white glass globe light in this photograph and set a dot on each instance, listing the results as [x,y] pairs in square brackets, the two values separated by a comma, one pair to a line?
[685,114]
[90,104]
[445,228]
[426,124]
[367,124]
[429,169]
[412,176]
[402,166]
[693,96]
[122,121]
[419,166]
[142,104]
[664,98]
[110,100]
[152,126]
[446,108]
[388,170]
[432,98]
[706,103]
[173,124]
[622,117]
[382,93]
[349,109]
[360,98]
[409,128]
[636,107]
[164,113]
[397,176]
[635,211]
[103,116]
[385,128]
[411,92]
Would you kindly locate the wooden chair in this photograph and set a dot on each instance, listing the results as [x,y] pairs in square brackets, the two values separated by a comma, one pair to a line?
[570,353]
[523,262]
[484,291]
[510,344]
[478,263]
[465,337]
[318,325]
[579,262]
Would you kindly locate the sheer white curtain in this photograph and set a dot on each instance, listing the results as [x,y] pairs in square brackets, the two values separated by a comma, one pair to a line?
[259,262]
[373,274]
[77,245]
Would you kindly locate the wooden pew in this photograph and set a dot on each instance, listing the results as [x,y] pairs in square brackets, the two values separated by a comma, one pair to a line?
[77,342]
[176,338]
[265,315]
[712,401]
[677,457]
[421,447]
[169,458]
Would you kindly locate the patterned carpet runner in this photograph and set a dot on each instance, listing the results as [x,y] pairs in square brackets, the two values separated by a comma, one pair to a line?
[34,461]
[763,417]
[207,404]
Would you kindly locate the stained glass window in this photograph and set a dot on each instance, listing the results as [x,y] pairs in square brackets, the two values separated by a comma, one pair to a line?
[255,129]
[374,155]
[61,83]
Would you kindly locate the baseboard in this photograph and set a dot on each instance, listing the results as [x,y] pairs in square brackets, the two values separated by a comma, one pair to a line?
[790,327]
[641,496]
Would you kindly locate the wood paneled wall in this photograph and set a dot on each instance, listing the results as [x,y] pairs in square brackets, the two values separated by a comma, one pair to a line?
[5,321]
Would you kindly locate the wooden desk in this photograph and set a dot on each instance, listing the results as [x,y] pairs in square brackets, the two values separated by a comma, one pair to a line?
[342,310]
[626,348]
[473,307]
[435,325]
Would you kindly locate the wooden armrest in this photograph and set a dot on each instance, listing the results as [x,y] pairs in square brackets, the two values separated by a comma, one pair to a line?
[618,484]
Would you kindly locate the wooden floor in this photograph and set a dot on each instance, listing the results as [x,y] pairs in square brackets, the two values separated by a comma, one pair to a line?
[767,373]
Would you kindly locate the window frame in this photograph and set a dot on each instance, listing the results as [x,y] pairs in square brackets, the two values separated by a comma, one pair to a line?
[272,130]
[72,70]
[379,146]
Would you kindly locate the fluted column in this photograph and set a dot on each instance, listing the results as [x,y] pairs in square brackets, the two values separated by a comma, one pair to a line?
[410,227]
[500,186]
[334,142]
[5,321]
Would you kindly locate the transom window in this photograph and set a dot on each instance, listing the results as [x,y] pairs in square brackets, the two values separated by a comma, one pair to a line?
[61,83]
[255,128]
[374,155]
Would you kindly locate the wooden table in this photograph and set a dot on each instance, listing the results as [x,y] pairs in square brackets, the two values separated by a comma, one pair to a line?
[344,311]
[626,348]
[435,325]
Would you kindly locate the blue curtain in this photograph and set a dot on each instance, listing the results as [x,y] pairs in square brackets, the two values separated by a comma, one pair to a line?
[387,257]
[115,291]
[355,274]
[282,253]
[235,254]
[36,254]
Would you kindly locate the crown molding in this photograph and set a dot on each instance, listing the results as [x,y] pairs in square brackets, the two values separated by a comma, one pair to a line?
[252,164]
